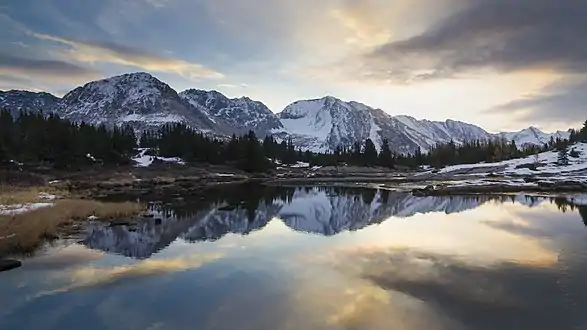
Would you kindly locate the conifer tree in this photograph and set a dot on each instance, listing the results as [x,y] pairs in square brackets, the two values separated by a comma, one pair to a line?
[385,156]
[583,133]
[370,153]
[254,160]
[563,158]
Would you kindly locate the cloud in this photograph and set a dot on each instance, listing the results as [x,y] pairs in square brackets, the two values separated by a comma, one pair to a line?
[365,20]
[46,69]
[233,85]
[158,3]
[95,52]
[495,35]
[563,102]
[90,277]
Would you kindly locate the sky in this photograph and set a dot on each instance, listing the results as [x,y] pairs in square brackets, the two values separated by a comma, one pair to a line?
[500,64]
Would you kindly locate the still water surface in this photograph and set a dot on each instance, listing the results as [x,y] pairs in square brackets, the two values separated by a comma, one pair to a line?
[315,258]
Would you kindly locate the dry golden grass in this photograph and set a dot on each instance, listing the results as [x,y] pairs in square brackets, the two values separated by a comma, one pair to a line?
[25,232]
[18,195]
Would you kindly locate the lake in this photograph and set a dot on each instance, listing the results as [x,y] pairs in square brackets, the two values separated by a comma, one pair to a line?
[314,258]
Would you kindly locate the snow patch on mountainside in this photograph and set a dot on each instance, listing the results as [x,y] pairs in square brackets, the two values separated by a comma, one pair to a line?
[308,118]
[153,119]
[374,134]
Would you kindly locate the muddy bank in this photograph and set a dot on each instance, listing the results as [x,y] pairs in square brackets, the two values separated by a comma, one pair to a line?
[150,188]
[539,187]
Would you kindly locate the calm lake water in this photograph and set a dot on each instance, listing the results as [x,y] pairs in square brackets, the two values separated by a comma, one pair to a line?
[314,258]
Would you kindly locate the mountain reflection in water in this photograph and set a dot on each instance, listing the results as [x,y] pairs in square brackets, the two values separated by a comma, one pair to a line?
[252,258]
[317,210]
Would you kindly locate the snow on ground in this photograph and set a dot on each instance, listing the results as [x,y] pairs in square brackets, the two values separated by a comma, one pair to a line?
[481,182]
[546,162]
[224,175]
[144,160]
[301,165]
[43,195]
[21,208]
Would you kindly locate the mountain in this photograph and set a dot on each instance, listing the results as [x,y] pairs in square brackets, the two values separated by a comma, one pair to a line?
[136,99]
[241,114]
[17,101]
[144,102]
[532,136]
[323,124]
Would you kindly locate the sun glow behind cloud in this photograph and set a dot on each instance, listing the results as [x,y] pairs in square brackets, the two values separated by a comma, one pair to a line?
[472,60]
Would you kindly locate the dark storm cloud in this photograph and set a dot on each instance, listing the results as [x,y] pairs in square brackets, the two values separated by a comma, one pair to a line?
[11,65]
[564,101]
[502,35]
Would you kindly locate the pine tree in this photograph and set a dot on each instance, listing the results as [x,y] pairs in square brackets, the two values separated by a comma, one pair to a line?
[290,154]
[385,156]
[563,158]
[269,147]
[583,133]
[370,153]
[254,160]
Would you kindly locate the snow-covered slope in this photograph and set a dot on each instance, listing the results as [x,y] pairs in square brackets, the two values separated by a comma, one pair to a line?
[241,114]
[327,123]
[532,136]
[546,164]
[16,101]
[136,99]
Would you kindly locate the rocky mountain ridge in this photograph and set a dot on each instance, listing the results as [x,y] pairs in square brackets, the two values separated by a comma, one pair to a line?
[145,102]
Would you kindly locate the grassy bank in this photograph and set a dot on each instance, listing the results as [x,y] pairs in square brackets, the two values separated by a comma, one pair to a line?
[25,232]
[18,195]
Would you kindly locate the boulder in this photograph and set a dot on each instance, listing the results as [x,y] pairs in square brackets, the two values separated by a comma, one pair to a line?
[9,264]
[530,166]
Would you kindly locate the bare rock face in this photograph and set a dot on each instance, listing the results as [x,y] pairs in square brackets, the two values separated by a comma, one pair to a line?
[17,101]
[241,114]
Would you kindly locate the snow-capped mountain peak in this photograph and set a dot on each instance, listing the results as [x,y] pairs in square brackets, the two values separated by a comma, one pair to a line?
[532,136]
[16,101]
[136,99]
[327,123]
[241,114]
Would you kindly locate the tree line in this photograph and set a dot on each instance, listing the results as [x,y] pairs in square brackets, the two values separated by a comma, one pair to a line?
[37,138]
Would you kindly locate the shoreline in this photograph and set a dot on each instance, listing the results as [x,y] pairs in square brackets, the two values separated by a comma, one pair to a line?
[178,181]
